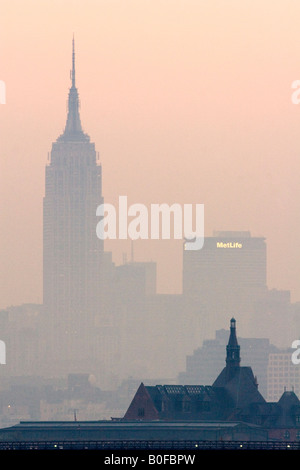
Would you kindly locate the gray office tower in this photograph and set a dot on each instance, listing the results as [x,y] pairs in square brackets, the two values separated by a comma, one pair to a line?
[74,264]
[226,278]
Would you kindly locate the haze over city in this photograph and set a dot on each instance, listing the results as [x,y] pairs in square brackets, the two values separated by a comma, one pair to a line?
[153,330]
[186,101]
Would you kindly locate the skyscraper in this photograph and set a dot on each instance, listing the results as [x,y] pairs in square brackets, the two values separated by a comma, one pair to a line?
[73,264]
[227,276]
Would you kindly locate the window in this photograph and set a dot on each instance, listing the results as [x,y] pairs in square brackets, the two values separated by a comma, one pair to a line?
[206,406]
[186,406]
[141,412]
[286,434]
[199,406]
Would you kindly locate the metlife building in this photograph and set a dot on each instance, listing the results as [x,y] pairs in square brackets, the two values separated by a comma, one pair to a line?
[226,277]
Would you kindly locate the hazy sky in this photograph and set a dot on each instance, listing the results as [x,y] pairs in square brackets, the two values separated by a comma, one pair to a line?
[187,101]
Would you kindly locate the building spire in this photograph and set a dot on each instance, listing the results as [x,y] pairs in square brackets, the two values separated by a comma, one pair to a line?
[73,130]
[73,63]
[232,351]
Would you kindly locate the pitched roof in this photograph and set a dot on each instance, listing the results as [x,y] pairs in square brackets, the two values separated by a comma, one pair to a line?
[289,406]
[242,387]
[288,399]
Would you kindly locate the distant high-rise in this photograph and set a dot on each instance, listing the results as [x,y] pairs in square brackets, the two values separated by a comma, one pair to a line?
[73,254]
[226,277]
[282,374]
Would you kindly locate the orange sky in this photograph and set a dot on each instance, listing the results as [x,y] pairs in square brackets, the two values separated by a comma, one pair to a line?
[188,101]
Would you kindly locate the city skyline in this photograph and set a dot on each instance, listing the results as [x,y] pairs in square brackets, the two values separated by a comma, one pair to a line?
[166,131]
[149,200]
[96,317]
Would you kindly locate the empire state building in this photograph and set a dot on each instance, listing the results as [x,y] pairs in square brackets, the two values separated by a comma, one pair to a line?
[73,255]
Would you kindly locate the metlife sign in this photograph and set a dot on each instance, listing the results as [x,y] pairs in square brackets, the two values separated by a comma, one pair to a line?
[229,245]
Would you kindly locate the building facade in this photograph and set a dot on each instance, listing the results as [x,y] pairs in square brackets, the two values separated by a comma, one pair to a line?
[282,374]
[227,276]
[76,271]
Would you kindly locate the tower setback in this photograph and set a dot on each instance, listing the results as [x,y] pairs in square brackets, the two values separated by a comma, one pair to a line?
[73,255]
